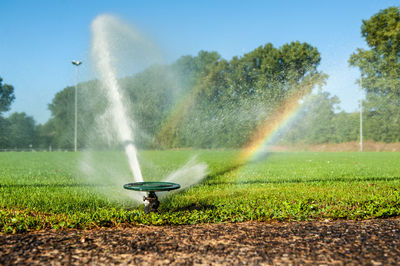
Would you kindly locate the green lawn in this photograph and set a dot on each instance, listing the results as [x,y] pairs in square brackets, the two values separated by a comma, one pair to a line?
[46,190]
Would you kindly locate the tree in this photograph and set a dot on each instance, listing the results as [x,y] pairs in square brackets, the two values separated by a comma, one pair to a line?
[237,96]
[45,135]
[6,96]
[380,69]
[382,118]
[347,127]
[197,101]
[189,71]
[62,111]
[380,66]
[315,120]
[21,130]
[59,130]
[4,133]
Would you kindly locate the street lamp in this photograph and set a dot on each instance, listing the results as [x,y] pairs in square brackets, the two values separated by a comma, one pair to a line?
[76,63]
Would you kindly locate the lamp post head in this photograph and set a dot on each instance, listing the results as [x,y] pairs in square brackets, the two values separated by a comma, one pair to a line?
[76,63]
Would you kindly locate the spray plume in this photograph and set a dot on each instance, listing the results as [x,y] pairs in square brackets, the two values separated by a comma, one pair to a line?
[101,51]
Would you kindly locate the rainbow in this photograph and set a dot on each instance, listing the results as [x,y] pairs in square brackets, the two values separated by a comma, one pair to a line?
[263,136]
[176,115]
[267,132]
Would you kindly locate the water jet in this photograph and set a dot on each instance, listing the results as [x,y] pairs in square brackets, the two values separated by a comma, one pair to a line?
[112,43]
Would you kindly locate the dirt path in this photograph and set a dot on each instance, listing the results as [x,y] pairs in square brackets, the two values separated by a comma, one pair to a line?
[373,242]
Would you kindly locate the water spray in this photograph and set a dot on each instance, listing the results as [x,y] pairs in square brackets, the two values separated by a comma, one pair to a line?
[119,120]
[101,51]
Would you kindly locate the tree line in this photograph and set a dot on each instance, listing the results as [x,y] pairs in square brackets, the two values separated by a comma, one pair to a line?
[209,102]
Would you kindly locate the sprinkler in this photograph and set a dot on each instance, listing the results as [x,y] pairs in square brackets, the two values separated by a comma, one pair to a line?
[151,188]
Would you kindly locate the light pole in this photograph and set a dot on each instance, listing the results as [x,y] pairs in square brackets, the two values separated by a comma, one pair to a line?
[361,118]
[76,63]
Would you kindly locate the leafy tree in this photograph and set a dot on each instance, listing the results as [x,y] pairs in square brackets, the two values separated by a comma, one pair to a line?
[45,135]
[346,127]
[314,122]
[380,68]
[152,94]
[4,133]
[382,118]
[21,130]
[201,101]
[237,96]
[190,72]
[62,110]
[60,128]
[318,121]
[6,96]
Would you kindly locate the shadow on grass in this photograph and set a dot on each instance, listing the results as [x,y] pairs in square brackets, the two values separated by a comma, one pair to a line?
[222,172]
[210,179]
[232,168]
[50,185]
[194,206]
[318,180]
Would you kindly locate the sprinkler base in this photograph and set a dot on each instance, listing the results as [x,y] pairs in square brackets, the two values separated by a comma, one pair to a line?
[152,202]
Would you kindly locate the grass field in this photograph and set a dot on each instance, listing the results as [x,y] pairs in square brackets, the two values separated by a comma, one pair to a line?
[46,190]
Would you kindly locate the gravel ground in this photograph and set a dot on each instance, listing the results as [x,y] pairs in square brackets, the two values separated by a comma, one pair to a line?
[371,242]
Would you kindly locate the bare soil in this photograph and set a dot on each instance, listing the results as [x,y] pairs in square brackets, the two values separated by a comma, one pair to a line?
[371,242]
[340,147]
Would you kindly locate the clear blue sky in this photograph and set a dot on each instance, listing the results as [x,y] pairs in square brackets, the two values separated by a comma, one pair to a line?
[40,38]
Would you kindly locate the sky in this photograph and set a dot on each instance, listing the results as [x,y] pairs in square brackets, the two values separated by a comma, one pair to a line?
[40,38]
